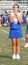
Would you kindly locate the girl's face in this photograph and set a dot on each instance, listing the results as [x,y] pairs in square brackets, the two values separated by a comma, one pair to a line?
[16,8]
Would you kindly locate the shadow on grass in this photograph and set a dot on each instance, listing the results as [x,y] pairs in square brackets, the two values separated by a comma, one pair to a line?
[6,56]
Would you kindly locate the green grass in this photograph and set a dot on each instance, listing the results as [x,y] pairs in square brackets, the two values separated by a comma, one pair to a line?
[6,49]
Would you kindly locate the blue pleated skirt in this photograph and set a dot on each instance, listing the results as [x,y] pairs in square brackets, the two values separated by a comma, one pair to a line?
[15,33]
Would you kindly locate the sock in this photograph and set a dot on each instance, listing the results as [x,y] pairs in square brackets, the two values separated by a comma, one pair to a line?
[17,54]
[14,54]
[26,43]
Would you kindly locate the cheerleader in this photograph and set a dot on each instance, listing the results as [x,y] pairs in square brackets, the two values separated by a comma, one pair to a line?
[15,31]
[26,45]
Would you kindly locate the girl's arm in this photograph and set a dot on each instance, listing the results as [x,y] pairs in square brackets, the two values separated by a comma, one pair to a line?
[11,18]
[20,18]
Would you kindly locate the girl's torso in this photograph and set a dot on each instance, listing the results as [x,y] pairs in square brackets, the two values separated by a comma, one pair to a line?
[15,24]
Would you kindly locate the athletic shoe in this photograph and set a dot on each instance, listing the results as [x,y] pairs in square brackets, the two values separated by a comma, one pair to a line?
[14,56]
[17,57]
[26,45]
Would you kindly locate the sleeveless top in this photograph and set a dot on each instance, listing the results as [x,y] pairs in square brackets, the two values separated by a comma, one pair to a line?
[15,24]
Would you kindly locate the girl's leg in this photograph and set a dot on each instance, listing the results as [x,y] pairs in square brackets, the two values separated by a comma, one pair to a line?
[27,38]
[14,48]
[26,45]
[18,48]
[18,45]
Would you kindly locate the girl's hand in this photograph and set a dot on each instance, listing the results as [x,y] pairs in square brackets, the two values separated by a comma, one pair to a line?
[11,18]
[26,21]
[16,13]
[19,17]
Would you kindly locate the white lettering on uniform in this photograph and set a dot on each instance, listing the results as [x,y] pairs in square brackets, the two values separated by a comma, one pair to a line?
[15,20]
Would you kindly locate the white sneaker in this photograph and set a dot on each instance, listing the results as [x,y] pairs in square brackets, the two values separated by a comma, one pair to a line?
[26,45]
[17,57]
[0,25]
[14,56]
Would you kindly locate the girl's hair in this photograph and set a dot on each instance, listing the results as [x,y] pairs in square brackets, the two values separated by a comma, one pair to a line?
[27,12]
[16,5]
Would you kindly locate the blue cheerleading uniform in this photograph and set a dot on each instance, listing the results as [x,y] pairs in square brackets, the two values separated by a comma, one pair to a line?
[27,27]
[4,20]
[24,18]
[27,30]
[15,30]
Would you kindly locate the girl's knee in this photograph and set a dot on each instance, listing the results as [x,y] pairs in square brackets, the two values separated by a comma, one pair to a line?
[27,36]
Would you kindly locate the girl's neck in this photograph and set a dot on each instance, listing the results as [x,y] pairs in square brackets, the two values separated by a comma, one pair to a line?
[15,11]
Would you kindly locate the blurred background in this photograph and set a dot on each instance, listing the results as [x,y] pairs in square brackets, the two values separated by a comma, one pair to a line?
[7,4]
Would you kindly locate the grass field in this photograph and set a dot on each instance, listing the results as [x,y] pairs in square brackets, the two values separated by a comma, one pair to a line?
[6,49]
